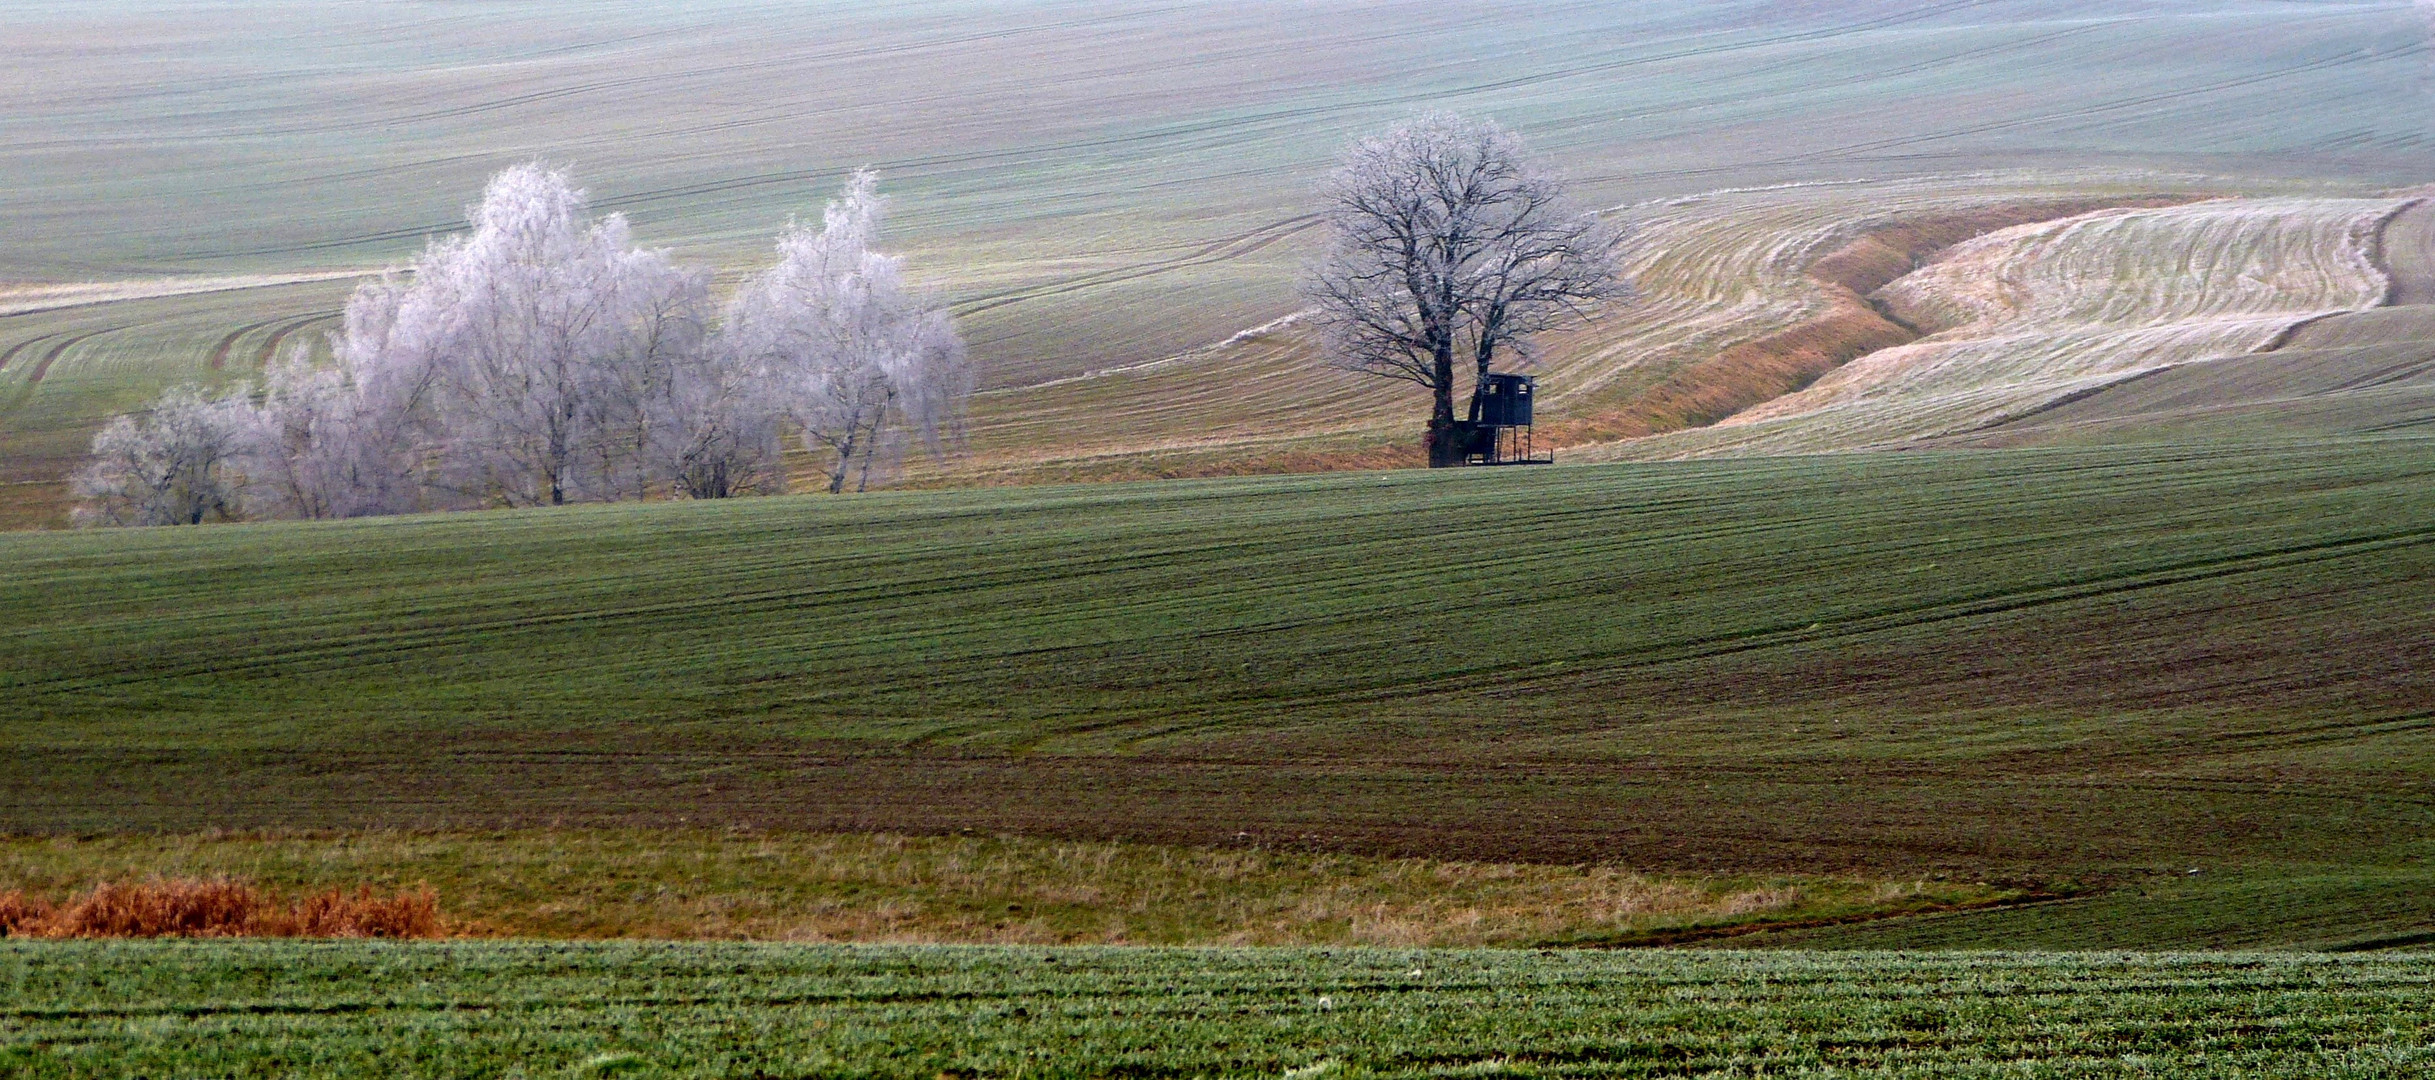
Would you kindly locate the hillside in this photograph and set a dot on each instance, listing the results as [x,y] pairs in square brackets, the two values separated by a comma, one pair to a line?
[2358,372]
[2022,320]
[2040,664]
[1089,204]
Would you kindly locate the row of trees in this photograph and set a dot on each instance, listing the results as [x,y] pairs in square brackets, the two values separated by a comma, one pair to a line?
[542,358]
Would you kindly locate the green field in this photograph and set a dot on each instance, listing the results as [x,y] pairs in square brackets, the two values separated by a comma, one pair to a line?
[722,884]
[2098,667]
[1936,762]
[242,1010]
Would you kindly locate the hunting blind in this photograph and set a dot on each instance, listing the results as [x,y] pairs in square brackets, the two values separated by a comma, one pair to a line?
[1499,433]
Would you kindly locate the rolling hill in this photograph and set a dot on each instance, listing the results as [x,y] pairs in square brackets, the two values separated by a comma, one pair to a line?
[1092,203]
[2043,665]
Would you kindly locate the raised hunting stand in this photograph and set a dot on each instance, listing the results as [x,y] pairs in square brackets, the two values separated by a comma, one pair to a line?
[1501,434]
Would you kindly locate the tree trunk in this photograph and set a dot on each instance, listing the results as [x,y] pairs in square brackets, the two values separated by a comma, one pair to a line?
[1445,445]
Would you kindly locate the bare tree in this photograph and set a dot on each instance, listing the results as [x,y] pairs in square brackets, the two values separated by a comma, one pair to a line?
[862,362]
[1449,247]
[179,465]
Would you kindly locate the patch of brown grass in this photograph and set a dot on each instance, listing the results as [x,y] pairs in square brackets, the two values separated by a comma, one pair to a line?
[192,908]
[852,887]
[18,909]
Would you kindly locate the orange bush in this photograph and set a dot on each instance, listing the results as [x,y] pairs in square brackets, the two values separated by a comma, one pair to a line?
[18,909]
[219,908]
[335,914]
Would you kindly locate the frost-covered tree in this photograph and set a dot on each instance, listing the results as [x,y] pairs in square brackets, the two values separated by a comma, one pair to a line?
[317,448]
[861,361]
[715,428]
[180,464]
[542,358]
[534,344]
[1449,247]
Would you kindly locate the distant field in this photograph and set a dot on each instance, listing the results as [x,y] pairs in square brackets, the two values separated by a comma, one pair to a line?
[253,1009]
[1098,187]
[2025,318]
[2360,372]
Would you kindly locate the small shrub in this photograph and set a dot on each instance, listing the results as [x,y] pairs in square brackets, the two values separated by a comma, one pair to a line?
[335,914]
[18,910]
[220,908]
[158,909]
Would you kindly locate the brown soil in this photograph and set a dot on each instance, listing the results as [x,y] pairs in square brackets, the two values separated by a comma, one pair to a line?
[1851,327]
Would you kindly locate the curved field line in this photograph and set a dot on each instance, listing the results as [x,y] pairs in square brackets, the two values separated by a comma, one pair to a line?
[43,367]
[270,346]
[219,353]
[22,346]
[34,378]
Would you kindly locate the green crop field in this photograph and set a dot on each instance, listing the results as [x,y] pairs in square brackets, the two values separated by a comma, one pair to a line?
[1923,763]
[461,1010]
[2090,668]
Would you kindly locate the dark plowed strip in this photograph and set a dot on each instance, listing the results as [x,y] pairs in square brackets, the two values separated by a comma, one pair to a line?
[270,348]
[22,346]
[44,366]
[219,353]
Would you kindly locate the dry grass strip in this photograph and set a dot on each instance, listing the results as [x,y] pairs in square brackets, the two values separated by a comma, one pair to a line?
[196,908]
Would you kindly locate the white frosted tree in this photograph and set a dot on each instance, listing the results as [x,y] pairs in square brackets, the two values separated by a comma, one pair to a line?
[1448,248]
[715,428]
[541,358]
[544,334]
[861,362]
[182,463]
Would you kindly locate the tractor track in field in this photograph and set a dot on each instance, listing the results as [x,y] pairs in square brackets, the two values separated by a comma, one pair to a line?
[270,345]
[219,353]
[1993,603]
[269,350]
[42,367]
[21,347]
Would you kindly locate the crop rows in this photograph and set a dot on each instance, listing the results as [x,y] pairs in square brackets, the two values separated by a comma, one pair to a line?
[2026,662]
[460,1010]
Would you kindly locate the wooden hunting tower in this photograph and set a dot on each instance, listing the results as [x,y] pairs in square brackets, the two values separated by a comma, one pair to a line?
[1501,433]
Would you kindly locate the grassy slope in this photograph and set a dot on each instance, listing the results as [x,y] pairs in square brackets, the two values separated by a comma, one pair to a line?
[246,1009]
[705,884]
[2031,663]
